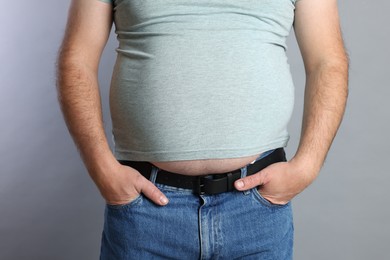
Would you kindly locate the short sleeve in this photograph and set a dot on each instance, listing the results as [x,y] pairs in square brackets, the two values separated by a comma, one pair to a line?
[106,1]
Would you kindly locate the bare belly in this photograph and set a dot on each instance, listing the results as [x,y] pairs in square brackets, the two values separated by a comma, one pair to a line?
[203,167]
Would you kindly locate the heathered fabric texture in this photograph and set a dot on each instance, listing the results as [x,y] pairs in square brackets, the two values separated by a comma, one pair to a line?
[200,79]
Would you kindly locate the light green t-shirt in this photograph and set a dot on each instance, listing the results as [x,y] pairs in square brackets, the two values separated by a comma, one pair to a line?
[200,79]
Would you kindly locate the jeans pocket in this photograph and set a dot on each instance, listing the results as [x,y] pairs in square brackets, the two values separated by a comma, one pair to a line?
[129,204]
[258,197]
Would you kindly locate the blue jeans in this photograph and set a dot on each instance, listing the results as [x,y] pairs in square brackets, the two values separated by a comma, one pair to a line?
[231,225]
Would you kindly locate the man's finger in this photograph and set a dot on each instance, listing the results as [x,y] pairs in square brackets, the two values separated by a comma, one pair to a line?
[153,193]
[250,182]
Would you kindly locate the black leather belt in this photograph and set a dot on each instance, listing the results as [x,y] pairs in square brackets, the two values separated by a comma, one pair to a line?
[206,184]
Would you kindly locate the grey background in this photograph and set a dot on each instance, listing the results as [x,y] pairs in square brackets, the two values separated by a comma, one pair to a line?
[49,208]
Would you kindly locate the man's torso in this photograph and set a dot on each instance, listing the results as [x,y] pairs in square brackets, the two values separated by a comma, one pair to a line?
[201,86]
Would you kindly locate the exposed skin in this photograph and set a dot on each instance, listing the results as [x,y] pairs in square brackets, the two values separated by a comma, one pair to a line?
[87,32]
[317,30]
[319,37]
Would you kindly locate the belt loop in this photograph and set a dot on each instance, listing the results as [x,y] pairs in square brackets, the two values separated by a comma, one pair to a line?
[153,174]
[243,175]
[243,172]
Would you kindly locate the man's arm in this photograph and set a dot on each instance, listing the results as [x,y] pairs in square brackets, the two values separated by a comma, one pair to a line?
[318,33]
[88,28]
[319,37]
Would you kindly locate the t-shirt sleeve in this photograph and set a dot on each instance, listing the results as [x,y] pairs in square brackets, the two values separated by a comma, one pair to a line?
[106,1]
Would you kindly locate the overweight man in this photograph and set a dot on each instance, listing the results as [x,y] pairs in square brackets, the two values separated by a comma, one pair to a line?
[200,98]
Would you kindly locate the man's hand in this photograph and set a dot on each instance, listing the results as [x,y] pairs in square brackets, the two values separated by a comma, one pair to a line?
[280,182]
[123,184]
[88,28]
[318,33]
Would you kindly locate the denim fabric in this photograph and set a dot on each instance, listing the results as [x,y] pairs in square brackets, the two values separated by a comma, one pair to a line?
[231,225]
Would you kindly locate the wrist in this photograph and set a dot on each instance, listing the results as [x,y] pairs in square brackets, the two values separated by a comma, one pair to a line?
[100,163]
[308,165]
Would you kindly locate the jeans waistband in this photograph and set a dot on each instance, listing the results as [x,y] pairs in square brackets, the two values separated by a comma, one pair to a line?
[208,184]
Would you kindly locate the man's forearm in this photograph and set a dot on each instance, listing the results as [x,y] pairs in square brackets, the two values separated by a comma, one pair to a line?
[325,99]
[79,98]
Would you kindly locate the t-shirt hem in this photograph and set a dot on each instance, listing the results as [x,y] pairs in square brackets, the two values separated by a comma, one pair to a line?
[160,156]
